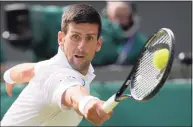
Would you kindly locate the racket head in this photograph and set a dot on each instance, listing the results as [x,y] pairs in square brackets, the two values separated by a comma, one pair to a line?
[135,89]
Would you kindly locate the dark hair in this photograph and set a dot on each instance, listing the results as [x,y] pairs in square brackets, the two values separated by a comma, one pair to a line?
[80,13]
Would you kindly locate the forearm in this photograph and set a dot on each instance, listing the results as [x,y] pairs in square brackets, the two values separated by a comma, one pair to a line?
[72,96]
[22,73]
[88,106]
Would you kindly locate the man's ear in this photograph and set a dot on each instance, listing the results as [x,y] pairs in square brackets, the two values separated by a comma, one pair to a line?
[60,38]
[99,44]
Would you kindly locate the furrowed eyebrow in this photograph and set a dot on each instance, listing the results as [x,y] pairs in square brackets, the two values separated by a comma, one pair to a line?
[76,32]
[86,34]
[92,34]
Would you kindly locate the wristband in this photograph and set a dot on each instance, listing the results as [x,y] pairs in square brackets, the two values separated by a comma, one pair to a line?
[83,102]
[7,77]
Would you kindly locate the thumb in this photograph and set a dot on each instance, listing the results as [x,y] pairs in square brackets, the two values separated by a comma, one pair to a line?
[9,88]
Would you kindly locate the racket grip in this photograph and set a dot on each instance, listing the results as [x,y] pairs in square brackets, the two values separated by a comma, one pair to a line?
[110,104]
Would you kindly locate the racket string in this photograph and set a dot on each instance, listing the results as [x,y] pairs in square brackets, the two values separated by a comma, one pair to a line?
[149,69]
[160,40]
[145,79]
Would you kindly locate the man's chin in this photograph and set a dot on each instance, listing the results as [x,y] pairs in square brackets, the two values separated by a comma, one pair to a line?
[79,67]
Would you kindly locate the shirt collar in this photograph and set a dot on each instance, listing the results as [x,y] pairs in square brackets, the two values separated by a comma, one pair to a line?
[61,59]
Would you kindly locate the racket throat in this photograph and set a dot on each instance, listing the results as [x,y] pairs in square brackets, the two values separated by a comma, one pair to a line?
[122,97]
[123,88]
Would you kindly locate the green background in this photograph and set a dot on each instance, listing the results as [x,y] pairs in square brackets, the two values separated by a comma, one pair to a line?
[170,107]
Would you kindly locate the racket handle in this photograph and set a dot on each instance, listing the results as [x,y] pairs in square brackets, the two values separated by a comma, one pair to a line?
[110,104]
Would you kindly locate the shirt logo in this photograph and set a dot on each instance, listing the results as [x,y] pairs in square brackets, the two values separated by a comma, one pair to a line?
[71,77]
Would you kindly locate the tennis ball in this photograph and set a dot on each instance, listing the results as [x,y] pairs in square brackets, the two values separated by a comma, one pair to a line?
[160,59]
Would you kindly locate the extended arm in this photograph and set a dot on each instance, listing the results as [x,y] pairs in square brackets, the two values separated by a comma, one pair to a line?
[20,73]
[78,98]
[71,93]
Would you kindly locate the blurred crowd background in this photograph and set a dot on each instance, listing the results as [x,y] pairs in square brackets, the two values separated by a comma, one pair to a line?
[29,34]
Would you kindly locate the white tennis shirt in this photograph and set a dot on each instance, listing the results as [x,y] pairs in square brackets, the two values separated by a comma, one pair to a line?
[39,104]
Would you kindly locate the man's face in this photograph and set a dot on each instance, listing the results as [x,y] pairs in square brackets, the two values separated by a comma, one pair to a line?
[80,44]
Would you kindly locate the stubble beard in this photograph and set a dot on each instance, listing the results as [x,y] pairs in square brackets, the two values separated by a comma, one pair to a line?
[82,68]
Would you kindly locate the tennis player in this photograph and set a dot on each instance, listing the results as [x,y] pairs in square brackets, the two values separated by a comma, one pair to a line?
[58,89]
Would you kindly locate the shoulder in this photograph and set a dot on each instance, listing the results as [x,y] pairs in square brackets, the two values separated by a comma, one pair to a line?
[47,71]
[50,77]
[40,65]
[65,71]
[66,76]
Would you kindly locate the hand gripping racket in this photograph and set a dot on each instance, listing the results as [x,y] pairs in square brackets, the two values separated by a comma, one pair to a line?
[144,79]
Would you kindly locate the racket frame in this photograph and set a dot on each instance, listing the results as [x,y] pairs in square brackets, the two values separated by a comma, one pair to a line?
[129,79]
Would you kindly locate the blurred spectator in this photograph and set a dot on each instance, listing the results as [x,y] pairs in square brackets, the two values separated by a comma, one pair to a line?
[121,40]
[112,35]
[125,14]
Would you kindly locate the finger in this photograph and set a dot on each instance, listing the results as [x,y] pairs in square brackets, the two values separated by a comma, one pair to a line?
[9,88]
[92,115]
[100,110]
[104,117]
[107,117]
[110,113]
[94,121]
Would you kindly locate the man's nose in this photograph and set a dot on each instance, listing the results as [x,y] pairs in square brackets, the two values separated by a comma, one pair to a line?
[82,45]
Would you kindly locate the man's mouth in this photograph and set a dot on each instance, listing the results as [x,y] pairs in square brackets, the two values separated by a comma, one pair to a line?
[79,56]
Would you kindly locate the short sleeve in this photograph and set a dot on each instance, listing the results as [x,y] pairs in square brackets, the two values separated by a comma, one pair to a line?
[63,82]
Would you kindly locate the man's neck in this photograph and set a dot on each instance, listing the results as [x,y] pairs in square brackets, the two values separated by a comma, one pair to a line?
[84,72]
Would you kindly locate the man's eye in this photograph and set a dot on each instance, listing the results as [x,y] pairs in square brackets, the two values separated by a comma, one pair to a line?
[75,37]
[90,38]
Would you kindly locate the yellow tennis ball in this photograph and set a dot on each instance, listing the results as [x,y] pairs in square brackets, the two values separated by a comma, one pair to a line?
[160,59]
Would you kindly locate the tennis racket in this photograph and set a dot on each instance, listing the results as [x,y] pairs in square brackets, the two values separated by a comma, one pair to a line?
[145,80]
